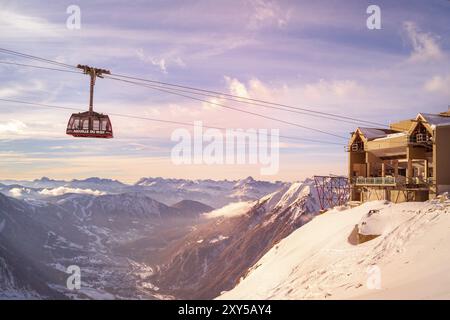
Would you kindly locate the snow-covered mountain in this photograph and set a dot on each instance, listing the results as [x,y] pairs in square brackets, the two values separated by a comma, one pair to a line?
[211,192]
[44,188]
[43,182]
[23,269]
[168,191]
[95,183]
[130,245]
[378,250]
[40,239]
[190,207]
[215,255]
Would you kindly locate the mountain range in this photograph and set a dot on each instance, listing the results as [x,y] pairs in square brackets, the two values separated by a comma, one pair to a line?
[168,191]
[130,245]
[39,240]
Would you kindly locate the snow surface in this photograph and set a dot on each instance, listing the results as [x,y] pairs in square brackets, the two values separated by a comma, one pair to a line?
[409,260]
[392,135]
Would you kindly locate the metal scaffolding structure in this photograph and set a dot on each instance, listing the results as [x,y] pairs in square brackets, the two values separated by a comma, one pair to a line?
[332,190]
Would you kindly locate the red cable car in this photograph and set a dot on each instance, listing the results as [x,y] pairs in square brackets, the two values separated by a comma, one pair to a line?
[90,124]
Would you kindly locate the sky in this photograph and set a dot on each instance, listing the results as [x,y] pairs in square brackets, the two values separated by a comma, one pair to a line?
[318,55]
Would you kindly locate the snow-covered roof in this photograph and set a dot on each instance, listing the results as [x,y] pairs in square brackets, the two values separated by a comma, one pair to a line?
[436,119]
[375,133]
[392,135]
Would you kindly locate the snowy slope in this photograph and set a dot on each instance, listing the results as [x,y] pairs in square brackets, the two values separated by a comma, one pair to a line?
[409,260]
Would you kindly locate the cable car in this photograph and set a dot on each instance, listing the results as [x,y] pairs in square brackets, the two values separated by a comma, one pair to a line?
[90,124]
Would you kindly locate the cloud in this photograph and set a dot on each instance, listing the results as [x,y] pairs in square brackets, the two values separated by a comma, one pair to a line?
[12,126]
[17,89]
[236,87]
[162,62]
[213,104]
[438,84]
[231,210]
[17,192]
[267,13]
[324,89]
[260,90]
[425,46]
[63,190]
[175,110]
[15,25]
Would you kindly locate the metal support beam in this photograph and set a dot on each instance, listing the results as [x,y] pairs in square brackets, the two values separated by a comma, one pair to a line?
[93,73]
[332,190]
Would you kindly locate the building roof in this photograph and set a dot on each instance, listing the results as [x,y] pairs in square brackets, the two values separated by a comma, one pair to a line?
[392,135]
[436,119]
[375,133]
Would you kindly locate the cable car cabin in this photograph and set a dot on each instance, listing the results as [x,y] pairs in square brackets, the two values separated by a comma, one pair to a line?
[89,125]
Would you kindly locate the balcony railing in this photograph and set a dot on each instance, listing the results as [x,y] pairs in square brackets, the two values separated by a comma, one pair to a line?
[376,181]
[419,180]
[391,181]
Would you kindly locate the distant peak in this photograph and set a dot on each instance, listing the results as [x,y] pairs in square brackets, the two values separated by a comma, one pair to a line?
[96,180]
[43,179]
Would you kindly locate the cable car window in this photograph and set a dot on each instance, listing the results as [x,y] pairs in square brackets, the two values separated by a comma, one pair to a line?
[96,124]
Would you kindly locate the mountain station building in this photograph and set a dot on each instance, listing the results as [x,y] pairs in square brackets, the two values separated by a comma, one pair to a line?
[407,161]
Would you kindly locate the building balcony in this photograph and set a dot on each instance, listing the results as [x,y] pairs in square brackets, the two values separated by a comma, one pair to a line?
[376,181]
[390,181]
